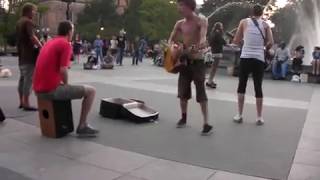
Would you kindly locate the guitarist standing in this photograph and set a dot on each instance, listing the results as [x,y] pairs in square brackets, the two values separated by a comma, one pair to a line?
[191,31]
[256,36]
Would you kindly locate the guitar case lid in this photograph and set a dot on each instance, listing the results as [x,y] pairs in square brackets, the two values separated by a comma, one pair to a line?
[133,110]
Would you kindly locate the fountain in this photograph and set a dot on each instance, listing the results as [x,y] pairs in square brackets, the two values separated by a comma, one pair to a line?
[308,28]
[307,31]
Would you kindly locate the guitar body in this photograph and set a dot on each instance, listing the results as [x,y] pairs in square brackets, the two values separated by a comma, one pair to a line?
[172,63]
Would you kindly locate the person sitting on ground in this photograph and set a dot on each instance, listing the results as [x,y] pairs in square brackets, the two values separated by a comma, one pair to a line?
[51,76]
[108,61]
[280,62]
[298,60]
[91,61]
[316,61]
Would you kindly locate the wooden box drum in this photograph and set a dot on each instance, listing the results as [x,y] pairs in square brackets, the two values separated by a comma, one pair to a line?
[56,119]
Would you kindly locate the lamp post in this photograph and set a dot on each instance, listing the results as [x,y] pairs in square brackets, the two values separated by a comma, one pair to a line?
[68,8]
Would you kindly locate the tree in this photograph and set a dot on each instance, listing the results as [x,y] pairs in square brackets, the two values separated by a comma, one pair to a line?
[157,18]
[97,14]
[132,22]
[151,18]
[11,16]
[285,24]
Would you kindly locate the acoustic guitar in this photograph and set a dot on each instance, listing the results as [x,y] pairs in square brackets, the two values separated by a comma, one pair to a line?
[172,62]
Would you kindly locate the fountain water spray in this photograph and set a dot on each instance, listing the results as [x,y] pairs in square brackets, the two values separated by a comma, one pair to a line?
[308,29]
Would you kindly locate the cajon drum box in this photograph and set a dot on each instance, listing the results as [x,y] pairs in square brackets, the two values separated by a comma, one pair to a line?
[55,117]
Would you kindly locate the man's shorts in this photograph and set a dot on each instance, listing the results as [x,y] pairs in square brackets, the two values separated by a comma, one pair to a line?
[195,72]
[25,82]
[64,92]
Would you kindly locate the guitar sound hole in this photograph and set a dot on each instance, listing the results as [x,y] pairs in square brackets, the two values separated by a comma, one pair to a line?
[45,114]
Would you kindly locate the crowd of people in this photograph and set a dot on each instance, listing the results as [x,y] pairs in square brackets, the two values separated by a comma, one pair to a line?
[283,57]
[280,60]
[44,64]
[116,48]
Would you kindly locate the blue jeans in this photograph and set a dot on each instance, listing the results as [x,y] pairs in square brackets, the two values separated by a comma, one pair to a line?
[120,56]
[279,73]
[141,54]
[135,58]
[99,55]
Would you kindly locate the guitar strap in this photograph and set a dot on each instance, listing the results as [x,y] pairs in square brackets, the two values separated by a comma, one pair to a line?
[255,22]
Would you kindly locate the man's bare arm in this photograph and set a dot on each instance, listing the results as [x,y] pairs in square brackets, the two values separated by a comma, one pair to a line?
[64,74]
[175,33]
[36,41]
[204,31]
[239,34]
[270,40]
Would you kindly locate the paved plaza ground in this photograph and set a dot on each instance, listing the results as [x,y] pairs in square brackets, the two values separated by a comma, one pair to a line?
[287,147]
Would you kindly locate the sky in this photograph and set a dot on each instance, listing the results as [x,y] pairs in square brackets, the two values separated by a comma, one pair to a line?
[199,1]
[6,4]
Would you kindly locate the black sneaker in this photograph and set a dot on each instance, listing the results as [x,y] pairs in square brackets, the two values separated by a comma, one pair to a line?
[211,85]
[182,123]
[207,130]
[87,131]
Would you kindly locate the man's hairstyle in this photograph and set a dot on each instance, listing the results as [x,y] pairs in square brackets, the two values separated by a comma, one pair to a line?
[189,3]
[257,10]
[217,26]
[64,28]
[27,9]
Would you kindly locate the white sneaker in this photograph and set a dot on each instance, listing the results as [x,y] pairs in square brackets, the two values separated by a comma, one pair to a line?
[95,67]
[238,119]
[260,122]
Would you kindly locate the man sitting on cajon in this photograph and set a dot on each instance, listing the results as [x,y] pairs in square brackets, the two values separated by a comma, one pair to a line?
[51,76]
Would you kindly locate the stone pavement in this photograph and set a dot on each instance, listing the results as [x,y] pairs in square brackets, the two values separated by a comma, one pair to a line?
[24,154]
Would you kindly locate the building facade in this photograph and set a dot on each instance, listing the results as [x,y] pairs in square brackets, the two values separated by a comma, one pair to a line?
[56,12]
[121,5]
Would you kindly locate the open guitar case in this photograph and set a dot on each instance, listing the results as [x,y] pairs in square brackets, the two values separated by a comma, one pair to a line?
[133,110]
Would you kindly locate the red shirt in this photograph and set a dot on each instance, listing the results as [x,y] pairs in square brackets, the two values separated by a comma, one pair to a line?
[55,54]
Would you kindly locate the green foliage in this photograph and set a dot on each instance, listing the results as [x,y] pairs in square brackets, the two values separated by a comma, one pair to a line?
[132,21]
[151,18]
[11,16]
[286,22]
[157,18]
[99,13]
